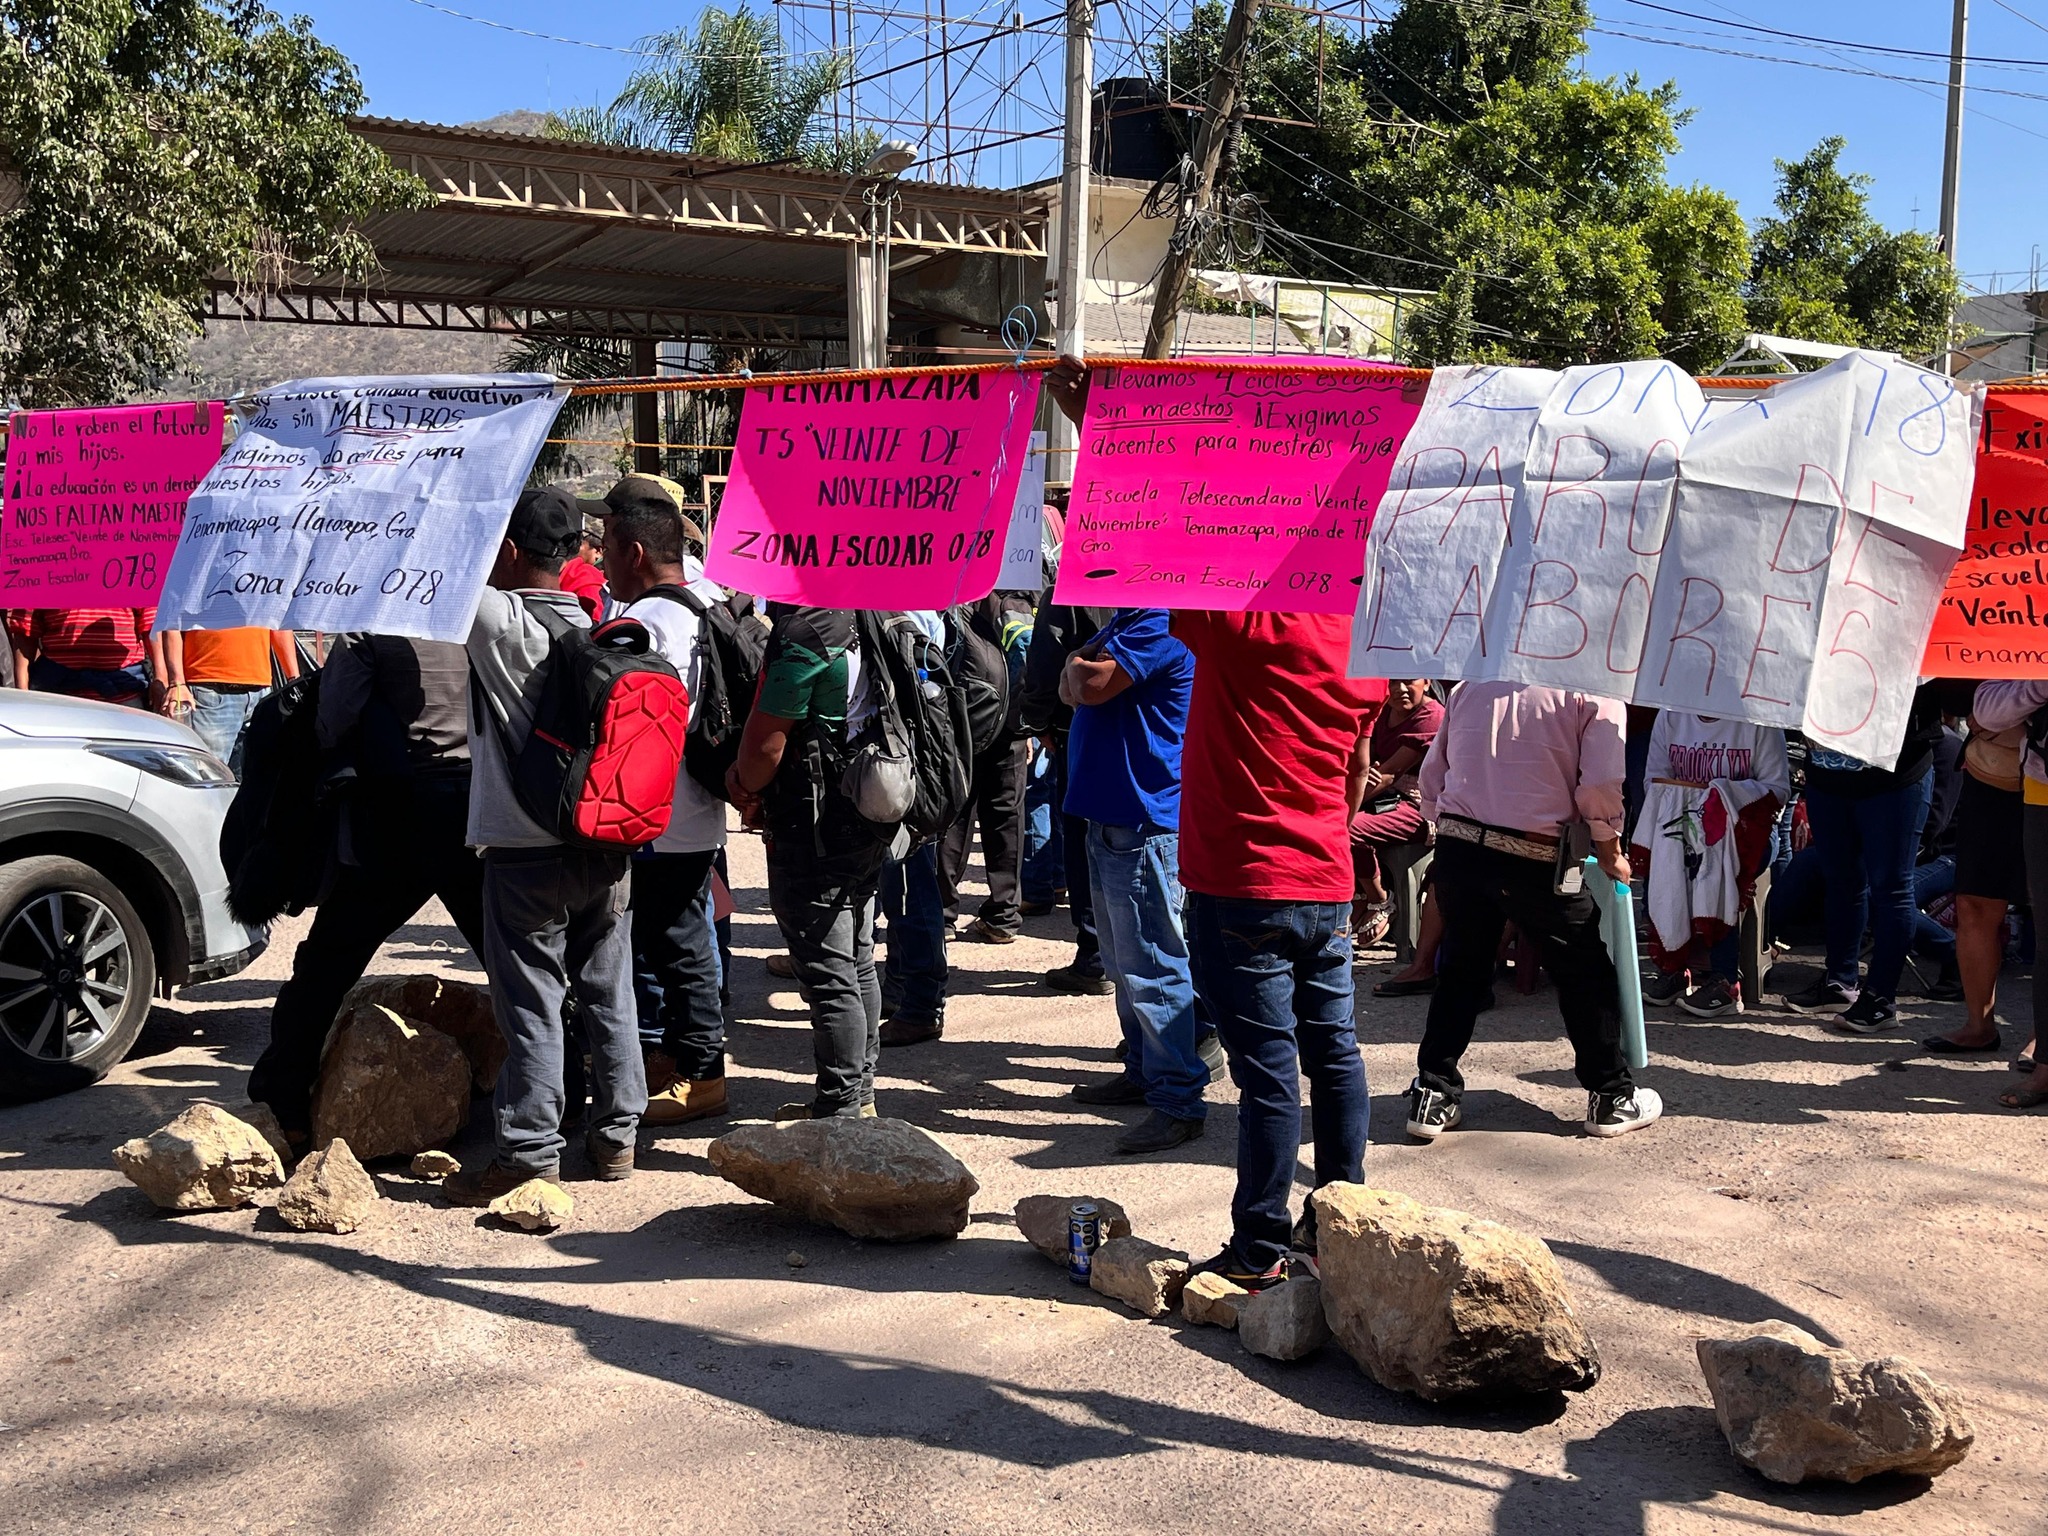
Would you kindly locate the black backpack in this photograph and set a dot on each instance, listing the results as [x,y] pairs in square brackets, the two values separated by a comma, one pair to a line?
[913,762]
[598,769]
[734,650]
[275,839]
[983,675]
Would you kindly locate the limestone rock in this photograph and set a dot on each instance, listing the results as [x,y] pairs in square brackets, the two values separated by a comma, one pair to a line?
[389,1088]
[205,1160]
[1143,1276]
[1444,1305]
[1284,1322]
[264,1118]
[878,1178]
[1209,1298]
[457,1009]
[1794,1409]
[536,1206]
[435,1165]
[329,1192]
[1043,1221]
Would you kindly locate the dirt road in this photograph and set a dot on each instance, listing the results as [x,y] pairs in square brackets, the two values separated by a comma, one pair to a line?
[659,1363]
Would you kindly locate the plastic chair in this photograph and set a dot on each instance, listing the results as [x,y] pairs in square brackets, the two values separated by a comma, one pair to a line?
[1403,867]
[1752,946]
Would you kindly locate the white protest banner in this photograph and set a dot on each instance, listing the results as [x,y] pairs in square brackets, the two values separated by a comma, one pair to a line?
[1024,554]
[1769,555]
[371,504]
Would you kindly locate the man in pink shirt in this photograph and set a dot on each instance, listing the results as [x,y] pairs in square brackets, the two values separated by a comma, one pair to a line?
[1512,766]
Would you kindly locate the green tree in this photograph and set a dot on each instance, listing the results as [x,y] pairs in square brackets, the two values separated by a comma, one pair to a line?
[727,90]
[1456,149]
[1825,270]
[146,145]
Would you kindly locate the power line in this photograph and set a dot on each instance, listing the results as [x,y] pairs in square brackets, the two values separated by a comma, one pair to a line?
[1840,42]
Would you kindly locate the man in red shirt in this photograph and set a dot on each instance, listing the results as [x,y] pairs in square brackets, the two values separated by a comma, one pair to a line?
[1274,769]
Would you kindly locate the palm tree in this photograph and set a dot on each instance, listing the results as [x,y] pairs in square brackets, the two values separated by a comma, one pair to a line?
[730,91]
[727,90]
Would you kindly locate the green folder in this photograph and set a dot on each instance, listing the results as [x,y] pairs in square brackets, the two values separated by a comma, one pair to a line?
[1618,928]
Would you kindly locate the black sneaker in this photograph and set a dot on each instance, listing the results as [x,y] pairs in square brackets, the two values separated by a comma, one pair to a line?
[1079,980]
[1431,1113]
[1210,1049]
[1823,996]
[1616,1114]
[1869,1015]
[1121,1089]
[1713,999]
[1159,1132]
[1230,1267]
[1302,1241]
[1663,989]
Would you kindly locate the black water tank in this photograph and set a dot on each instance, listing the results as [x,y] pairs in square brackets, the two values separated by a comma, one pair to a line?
[1135,133]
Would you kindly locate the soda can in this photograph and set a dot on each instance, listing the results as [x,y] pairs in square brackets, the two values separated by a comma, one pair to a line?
[1084,1236]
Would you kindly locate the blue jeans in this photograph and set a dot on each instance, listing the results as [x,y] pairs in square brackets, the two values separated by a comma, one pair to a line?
[1932,881]
[1045,870]
[1276,976]
[675,961]
[914,973]
[1867,848]
[220,714]
[1135,872]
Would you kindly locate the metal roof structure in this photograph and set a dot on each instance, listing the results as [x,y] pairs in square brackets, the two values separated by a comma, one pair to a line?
[534,234]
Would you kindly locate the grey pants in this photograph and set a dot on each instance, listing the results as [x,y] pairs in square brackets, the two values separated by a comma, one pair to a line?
[825,906]
[2034,835]
[555,918]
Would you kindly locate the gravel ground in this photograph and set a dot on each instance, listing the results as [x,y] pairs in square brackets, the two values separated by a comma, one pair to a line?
[660,1361]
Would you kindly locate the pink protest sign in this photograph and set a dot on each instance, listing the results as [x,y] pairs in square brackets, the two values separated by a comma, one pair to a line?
[95,501]
[1244,486]
[878,492]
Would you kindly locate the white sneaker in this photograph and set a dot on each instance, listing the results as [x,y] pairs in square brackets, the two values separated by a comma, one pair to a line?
[1616,1114]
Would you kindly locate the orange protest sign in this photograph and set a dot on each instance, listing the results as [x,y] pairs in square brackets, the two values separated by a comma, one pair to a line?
[1993,618]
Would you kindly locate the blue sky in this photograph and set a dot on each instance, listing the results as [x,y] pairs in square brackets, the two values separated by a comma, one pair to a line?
[419,62]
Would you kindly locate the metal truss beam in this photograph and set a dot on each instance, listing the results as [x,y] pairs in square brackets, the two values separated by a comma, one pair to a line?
[304,306]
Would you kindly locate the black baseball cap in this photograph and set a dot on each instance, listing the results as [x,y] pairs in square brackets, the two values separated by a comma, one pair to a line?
[547,522]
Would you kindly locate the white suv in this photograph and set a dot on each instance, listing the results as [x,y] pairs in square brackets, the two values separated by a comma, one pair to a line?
[111,887]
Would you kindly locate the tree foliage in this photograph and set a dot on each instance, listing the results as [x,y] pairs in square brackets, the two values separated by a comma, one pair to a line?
[1459,149]
[1825,270]
[146,145]
[727,90]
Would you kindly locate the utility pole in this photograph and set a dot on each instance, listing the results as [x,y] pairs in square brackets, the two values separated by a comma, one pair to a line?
[1952,155]
[1071,276]
[1210,139]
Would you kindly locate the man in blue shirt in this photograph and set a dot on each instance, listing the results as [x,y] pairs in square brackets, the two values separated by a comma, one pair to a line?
[1129,687]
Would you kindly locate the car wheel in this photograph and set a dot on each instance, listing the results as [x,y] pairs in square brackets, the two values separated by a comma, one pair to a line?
[77,971]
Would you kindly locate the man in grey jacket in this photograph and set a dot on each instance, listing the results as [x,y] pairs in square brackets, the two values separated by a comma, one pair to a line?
[554,916]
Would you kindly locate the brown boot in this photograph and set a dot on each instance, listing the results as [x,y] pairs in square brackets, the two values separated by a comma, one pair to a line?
[480,1186]
[902,1031]
[607,1162]
[680,1099]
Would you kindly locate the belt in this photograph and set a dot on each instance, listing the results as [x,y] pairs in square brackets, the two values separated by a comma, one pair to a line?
[1523,846]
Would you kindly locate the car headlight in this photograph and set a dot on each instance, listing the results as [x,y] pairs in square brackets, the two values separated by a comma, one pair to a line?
[180,765]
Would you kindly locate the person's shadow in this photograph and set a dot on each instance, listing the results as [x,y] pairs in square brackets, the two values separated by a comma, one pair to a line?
[1660,1457]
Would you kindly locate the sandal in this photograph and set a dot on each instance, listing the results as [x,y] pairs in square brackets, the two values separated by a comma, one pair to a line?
[2023,1063]
[2024,1098]
[1379,920]
[1941,1045]
[1414,986]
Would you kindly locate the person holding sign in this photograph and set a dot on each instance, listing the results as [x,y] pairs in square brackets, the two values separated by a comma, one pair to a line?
[555,917]
[1276,766]
[1129,689]
[1512,768]
[107,654]
[217,677]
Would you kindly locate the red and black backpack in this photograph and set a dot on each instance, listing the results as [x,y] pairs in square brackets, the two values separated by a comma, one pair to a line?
[599,768]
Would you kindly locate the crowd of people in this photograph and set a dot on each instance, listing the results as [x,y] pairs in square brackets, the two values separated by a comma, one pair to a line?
[1222,810]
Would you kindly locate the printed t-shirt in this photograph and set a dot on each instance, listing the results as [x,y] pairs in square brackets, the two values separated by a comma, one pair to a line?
[228,657]
[1272,730]
[811,675]
[1691,749]
[1124,755]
